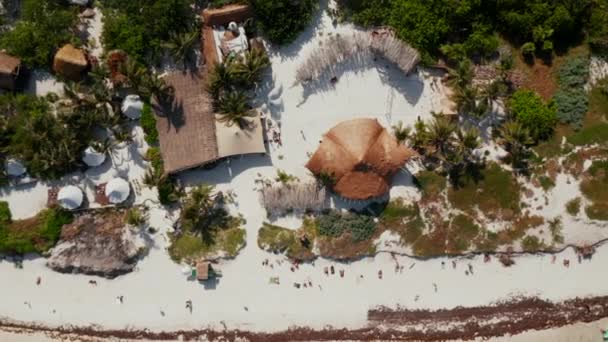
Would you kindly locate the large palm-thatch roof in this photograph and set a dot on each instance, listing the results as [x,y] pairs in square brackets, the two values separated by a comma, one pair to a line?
[361,157]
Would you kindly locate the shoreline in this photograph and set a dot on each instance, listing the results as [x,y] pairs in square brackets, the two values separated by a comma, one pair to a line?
[522,315]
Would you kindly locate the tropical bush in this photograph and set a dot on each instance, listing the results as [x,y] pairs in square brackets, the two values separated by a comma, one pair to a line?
[534,115]
[334,224]
[49,145]
[148,124]
[468,27]
[35,235]
[44,26]
[571,100]
[140,27]
[282,20]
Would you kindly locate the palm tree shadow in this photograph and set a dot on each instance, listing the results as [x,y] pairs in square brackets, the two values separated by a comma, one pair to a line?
[171,109]
[464,175]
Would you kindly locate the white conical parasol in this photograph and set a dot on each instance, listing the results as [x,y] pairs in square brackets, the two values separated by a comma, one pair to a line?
[93,158]
[132,106]
[70,197]
[14,168]
[117,190]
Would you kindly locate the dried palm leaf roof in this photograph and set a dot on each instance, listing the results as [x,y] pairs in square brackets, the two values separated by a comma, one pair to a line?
[224,15]
[9,65]
[361,156]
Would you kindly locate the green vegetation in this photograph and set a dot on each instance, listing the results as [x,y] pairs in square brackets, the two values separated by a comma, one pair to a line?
[496,193]
[546,183]
[282,20]
[573,207]
[593,187]
[571,99]
[44,26]
[207,228]
[140,27]
[148,124]
[431,183]
[49,145]
[168,190]
[136,217]
[531,243]
[334,224]
[528,108]
[463,231]
[469,27]
[282,240]
[593,135]
[34,235]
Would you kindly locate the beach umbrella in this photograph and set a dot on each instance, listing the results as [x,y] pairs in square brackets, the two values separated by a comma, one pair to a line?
[117,190]
[132,106]
[14,168]
[70,197]
[93,158]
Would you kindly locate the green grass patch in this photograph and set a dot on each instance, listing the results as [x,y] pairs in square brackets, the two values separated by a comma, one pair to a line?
[546,183]
[573,207]
[431,183]
[283,240]
[192,247]
[496,193]
[463,231]
[34,235]
[531,243]
[595,182]
[596,134]
[334,224]
[597,211]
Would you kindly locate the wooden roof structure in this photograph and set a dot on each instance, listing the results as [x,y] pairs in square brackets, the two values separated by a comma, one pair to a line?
[70,62]
[9,70]
[224,15]
[186,126]
[361,156]
[202,270]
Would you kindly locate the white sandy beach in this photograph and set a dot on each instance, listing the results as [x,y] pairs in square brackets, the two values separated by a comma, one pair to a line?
[157,283]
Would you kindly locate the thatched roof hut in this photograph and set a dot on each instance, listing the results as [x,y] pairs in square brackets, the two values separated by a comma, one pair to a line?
[70,62]
[9,70]
[223,15]
[361,156]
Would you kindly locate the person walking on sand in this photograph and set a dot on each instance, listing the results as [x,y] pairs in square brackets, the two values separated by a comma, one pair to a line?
[38,281]
[189,305]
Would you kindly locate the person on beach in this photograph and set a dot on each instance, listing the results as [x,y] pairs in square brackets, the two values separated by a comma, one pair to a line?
[189,305]
[443,265]
[38,281]
[435,287]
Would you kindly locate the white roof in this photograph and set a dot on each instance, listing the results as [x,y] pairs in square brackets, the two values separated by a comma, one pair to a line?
[14,168]
[93,158]
[70,197]
[232,140]
[132,106]
[117,190]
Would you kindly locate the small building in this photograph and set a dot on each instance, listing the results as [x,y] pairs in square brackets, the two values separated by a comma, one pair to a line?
[70,62]
[9,71]
[223,32]
[361,156]
[203,270]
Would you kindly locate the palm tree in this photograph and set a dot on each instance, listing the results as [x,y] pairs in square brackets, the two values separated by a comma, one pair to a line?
[420,136]
[134,73]
[153,85]
[198,208]
[234,109]
[468,141]
[401,132]
[180,45]
[441,135]
[515,139]
[462,75]
[221,78]
[249,69]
